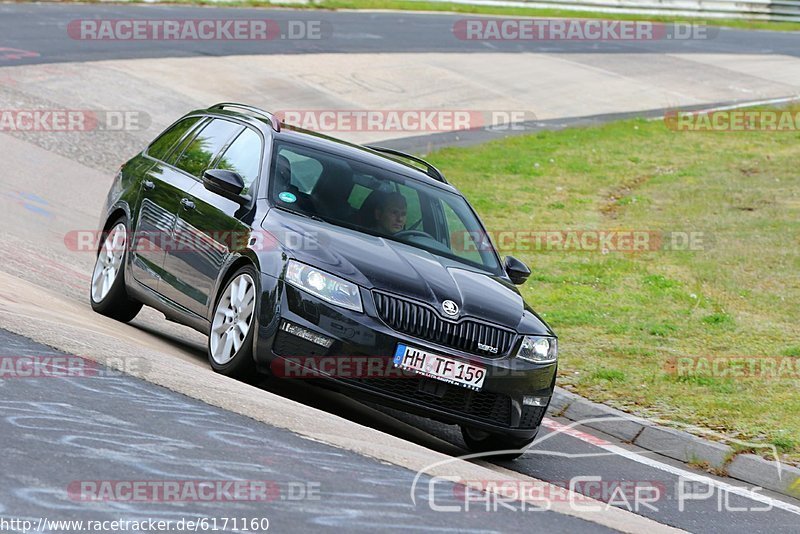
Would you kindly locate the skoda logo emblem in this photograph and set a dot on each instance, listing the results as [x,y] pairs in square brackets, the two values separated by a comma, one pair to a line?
[450,307]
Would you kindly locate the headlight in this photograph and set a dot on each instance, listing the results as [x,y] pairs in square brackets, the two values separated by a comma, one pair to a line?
[323,285]
[538,349]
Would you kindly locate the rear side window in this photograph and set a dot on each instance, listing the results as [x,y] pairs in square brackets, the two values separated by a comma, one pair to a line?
[197,157]
[243,157]
[162,146]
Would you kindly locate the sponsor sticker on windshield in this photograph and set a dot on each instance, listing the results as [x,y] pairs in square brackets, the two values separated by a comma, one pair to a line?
[287,197]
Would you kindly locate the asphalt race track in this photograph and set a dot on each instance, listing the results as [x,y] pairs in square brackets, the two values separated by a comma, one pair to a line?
[33,27]
[351,466]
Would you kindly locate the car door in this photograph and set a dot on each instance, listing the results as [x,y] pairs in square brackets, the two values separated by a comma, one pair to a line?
[194,255]
[160,191]
[216,225]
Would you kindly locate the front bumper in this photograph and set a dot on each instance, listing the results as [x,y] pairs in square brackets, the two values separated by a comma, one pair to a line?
[359,363]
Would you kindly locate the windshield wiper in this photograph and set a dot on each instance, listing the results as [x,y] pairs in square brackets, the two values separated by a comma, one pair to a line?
[303,214]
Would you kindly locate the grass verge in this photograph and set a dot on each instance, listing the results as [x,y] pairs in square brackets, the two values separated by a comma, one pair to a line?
[625,318]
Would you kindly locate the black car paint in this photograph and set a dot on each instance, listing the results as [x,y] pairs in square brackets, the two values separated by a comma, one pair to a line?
[186,282]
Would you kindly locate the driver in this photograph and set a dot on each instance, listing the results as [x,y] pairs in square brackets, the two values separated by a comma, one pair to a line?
[390,214]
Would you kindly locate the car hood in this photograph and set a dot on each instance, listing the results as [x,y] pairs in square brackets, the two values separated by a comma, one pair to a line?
[383,264]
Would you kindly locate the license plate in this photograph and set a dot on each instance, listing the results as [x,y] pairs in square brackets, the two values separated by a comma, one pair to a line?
[439,367]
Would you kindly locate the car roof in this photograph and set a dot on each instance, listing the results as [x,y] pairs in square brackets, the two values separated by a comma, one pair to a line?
[266,123]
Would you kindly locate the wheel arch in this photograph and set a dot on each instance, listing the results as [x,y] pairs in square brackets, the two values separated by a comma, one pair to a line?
[241,260]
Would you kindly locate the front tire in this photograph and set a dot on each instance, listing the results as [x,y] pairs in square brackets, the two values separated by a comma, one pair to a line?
[230,341]
[107,293]
[505,447]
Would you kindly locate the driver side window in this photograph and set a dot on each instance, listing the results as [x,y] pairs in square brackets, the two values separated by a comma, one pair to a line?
[244,156]
[462,242]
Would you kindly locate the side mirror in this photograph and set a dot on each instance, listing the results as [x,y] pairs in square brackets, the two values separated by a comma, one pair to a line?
[228,184]
[516,270]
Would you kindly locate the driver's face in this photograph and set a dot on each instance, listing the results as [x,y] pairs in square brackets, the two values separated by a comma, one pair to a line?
[392,218]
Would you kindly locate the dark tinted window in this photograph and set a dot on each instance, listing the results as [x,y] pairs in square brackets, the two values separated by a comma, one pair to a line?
[197,157]
[297,170]
[463,242]
[178,150]
[162,146]
[244,157]
[378,201]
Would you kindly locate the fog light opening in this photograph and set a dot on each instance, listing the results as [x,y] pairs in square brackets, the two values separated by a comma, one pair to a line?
[528,400]
[305,333]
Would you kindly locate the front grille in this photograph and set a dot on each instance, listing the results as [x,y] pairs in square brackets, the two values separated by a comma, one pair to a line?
[491,407]
[420,320]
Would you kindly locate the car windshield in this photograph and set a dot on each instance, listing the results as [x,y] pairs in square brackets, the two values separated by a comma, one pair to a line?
[349,193]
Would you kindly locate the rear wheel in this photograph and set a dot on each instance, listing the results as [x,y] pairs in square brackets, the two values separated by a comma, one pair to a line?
[230,342]
[505,447]
[107,293]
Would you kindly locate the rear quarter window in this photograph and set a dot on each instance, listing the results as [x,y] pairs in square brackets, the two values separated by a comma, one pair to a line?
[163,145]
[199,154]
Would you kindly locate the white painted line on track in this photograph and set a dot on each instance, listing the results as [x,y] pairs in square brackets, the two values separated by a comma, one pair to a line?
[570,430]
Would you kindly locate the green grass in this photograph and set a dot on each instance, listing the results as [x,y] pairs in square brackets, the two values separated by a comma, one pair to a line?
[413,5]
[622,315]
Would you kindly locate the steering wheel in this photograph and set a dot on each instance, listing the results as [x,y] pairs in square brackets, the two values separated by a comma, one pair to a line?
[413,233]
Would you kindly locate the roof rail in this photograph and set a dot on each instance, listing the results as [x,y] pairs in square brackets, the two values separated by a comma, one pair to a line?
[274,121]
[430,170]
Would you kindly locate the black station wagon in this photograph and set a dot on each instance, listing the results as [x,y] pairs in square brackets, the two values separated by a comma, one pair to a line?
[297,252]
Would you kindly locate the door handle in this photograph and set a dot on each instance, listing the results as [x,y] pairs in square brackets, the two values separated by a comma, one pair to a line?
[187,204]
[148,185]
